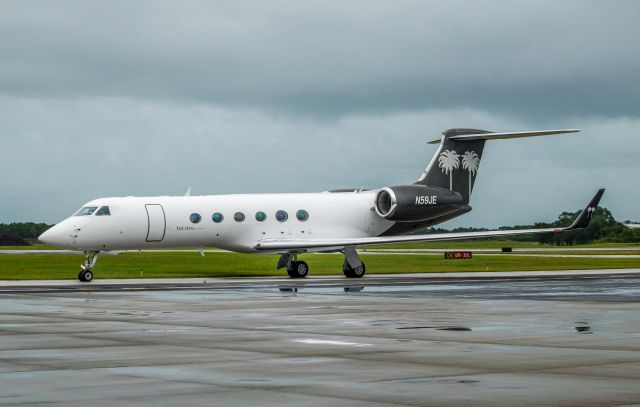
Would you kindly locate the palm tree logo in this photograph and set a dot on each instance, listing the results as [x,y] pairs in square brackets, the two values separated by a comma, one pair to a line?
[470,162]
[448,161]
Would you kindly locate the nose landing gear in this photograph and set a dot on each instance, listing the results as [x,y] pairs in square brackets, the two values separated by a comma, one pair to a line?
[85,274]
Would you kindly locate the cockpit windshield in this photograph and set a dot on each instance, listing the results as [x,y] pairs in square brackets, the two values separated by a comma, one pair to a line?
[86,211]
[104,211]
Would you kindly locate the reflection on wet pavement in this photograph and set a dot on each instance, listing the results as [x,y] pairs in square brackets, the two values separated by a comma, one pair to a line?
[562,341]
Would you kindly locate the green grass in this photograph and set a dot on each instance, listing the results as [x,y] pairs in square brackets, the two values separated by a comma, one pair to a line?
[585,252]
[582,253]
[155,265]
[494,244]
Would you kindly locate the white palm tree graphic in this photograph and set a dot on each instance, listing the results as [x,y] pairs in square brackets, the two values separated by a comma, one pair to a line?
[448,161]
[470,162]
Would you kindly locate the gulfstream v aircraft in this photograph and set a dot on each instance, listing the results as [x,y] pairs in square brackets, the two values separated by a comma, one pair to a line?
[290,224]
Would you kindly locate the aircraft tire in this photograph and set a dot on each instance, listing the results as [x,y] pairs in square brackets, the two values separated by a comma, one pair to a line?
[86,276]
[350,272]
[299,269]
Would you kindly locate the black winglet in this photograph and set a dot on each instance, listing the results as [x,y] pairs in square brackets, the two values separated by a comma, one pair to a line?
[582,221]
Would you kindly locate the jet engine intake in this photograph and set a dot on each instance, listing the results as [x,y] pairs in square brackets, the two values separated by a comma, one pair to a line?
[413,203]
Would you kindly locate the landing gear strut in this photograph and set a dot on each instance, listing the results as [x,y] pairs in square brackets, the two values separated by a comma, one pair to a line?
[90,258]
[352,267]
[295,268]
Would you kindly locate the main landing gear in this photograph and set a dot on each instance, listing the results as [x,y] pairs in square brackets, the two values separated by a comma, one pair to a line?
[85,274]
[352,267]
[295,268]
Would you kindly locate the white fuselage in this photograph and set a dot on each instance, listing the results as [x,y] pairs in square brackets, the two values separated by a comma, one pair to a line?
[165,222]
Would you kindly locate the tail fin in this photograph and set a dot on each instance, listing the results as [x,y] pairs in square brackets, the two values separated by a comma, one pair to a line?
[455,165]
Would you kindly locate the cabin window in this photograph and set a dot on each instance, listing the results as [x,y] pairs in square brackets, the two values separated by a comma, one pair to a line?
[104,211]
[282,216]
[261,216]
[86,211]
[217,217]
[302,215]
[195,218]
[238,217]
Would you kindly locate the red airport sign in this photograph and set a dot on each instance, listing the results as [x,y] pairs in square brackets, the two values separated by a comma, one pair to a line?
[457,255]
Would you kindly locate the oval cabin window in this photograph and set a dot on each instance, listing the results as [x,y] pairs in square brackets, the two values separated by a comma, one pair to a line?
[281,216]
[302,215]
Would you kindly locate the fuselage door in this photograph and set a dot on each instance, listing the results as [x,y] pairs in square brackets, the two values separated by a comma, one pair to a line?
[157,222]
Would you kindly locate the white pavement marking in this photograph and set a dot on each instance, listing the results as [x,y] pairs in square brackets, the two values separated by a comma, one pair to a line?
[327,342]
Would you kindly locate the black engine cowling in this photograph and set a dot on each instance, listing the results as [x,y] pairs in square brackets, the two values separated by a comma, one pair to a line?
[414,203]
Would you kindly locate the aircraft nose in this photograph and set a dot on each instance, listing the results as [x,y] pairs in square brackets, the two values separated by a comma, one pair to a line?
[52,236]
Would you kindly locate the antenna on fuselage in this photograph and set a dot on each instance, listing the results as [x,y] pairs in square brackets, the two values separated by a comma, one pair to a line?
[188,193]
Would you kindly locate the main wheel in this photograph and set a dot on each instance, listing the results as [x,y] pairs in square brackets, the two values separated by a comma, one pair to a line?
[351,272]
[85,275]
[299,269]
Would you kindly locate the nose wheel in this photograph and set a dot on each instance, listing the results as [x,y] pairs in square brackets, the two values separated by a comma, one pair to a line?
[86,274]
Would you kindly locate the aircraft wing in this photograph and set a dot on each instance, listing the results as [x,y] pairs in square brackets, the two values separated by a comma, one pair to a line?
[302,245]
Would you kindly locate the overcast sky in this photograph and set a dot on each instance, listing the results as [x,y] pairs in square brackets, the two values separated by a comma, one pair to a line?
[115,98]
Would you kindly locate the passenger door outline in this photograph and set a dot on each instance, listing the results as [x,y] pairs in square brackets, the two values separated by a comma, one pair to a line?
[155,218]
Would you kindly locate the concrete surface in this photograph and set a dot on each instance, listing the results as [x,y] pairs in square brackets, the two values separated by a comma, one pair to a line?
[563,340]
[312,280]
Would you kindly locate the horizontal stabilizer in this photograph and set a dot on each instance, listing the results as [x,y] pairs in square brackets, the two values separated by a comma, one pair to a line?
[500,136]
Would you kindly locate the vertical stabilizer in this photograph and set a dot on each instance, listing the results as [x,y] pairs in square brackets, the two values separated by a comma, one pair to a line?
[456,163]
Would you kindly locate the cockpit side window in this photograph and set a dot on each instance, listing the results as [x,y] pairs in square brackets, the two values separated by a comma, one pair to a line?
[104,211]
[86,211]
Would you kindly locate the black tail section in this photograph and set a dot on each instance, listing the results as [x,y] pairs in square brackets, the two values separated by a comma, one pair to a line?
[455,165]
[582,221]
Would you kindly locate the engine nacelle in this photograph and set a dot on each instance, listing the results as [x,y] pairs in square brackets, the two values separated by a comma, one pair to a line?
[413,203]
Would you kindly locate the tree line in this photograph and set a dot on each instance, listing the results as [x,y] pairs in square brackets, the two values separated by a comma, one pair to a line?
[21,234]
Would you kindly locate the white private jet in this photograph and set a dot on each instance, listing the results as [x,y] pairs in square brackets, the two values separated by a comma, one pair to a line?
[290,224]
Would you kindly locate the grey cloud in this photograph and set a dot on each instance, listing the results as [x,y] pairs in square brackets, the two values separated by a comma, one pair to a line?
[148,98]
[65,152]
[536,60]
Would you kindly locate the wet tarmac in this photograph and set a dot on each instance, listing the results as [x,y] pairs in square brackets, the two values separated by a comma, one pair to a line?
[529,340]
